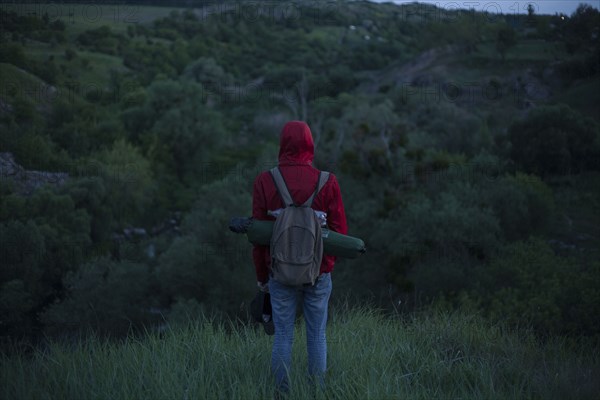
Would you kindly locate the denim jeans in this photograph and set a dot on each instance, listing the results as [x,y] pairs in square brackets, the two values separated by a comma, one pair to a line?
[315,300]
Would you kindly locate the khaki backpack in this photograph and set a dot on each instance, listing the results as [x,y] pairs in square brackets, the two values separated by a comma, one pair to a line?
[296,242]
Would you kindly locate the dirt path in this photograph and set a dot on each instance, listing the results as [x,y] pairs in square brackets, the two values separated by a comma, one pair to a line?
[406,72]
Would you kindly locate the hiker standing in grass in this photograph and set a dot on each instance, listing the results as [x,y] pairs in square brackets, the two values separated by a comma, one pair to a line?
[302,181]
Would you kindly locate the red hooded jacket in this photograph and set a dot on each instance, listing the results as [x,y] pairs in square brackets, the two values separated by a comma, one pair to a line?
[296,152]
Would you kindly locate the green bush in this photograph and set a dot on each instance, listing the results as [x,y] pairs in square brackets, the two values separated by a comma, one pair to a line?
[43,236]
[555,140]
[17,304]
[438,241]
[128,179]
[22,288]
[505,39]
[176,128]
[434,242]
[448,126]
[528,284]
[102,39]
[13,54]
[104,296]
[209,263]
[190,269]
[90,193]
[523,204]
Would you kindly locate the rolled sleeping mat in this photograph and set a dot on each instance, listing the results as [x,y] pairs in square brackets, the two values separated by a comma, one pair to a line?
[335,244]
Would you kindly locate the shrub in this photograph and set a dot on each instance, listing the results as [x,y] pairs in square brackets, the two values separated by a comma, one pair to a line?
[128,181]
[13,54]
[105,296]
[528,284]
[449,126]
[448,234]
[209,263]
[21,286]
[523,204]
[555,140]
[505,39]
[102,39]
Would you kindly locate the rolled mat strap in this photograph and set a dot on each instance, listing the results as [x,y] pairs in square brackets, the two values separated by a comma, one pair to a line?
[335,244]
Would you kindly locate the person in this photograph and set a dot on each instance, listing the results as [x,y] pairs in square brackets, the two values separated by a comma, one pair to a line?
[296,153]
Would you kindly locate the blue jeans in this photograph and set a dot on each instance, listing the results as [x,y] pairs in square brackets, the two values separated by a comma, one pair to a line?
[315,300]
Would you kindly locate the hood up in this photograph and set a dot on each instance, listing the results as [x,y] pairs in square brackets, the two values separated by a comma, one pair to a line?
[296,144]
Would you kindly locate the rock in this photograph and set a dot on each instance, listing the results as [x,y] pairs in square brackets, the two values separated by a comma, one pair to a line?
[8,166]
[26,182]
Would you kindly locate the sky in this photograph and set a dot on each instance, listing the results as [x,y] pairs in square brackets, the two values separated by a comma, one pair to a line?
[506,6]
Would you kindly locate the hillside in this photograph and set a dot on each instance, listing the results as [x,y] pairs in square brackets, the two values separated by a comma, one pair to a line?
[466,146]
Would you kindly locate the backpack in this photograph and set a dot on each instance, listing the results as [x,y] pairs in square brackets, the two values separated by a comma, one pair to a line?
[296,242]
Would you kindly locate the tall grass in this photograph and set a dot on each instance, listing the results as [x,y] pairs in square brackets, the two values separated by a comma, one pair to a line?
[434,356]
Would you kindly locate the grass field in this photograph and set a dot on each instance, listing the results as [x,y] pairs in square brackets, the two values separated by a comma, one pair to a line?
[18,83]
[88,71]
[435,356]
[82,17]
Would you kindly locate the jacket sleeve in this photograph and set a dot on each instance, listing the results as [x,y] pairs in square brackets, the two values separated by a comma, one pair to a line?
[259,212]
[336,215]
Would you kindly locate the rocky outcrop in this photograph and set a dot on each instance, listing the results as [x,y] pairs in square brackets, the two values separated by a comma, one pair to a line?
[26,182]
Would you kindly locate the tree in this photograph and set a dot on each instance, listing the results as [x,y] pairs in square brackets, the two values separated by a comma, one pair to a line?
[43,237]
[531,15]
[207,72]
[505,39]
[555,140]
[128,181]
[582,29]
[436,243]
[204,264]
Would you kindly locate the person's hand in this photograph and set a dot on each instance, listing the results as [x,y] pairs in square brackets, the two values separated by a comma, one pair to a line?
[263,287]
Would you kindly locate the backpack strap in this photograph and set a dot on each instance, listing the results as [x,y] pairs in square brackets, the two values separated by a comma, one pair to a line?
[323,178]
[281,187]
